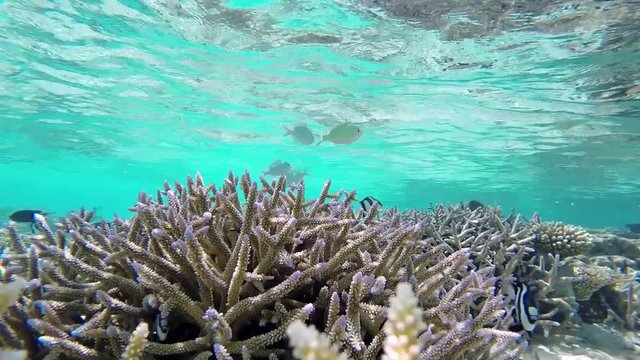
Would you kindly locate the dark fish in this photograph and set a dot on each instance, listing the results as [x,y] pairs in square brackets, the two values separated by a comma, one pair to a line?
[474,204]
[367,203]
[634,228]
[26,216]
[162,326]
[526,313]
[99,223]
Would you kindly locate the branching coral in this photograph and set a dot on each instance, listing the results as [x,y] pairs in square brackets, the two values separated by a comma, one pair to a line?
[491,241]
[546,256]
[404,326]
[309,344]
[224,272]
[506,245]
[9,294]
[402,330]
[137,342]
[405,337]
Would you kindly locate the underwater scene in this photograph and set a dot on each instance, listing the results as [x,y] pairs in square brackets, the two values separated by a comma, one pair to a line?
[319,179]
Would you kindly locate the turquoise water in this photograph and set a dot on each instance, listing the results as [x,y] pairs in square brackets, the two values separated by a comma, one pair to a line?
[536,109]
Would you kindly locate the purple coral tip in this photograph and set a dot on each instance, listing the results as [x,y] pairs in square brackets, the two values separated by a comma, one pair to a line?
[34,284]
[295,276]
[308,309]
[188,233]
[358,277]
[112,331]
[157,233]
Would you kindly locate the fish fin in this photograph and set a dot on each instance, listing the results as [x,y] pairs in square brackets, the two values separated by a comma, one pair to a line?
[321,140]
[287,131]
[33,228]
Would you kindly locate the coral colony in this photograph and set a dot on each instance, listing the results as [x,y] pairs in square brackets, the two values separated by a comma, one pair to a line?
[243,271]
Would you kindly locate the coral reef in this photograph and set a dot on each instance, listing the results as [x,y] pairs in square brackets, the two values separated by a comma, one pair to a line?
[403,328]
[214,275]
[137,343]
[201,272]
[9,294]
[4,239]
[563,239]
[615,243]
[556,275]
[506,245]
[587,279]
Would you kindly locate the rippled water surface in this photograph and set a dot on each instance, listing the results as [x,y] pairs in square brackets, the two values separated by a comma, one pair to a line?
[526,105]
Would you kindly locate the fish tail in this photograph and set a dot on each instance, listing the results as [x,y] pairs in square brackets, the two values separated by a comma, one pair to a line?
[287,131]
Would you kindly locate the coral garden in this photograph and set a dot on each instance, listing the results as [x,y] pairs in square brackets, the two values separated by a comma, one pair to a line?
[256,270]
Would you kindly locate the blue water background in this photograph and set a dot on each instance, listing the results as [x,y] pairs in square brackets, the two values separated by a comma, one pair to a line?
[102,99]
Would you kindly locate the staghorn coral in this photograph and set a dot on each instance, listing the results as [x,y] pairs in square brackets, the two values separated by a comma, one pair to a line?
[507,245]
[403,326]
[216,275]
[4,239]
[550,278]
[492,241]
[309,344]
[9,294]
[137,342]
[403,340]
[563,239]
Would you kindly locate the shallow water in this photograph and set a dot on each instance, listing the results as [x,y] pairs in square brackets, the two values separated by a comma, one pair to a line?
[533,107]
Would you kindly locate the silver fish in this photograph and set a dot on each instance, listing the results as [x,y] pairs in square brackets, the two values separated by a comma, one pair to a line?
[343,134]
[278,168]
[296,176]
[300,133]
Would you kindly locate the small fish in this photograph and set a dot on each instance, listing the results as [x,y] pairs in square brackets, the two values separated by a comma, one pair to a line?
[474,204]
[343,134]
[27,216]
[296,176]
[301,134]
[99,223]
[526,313]
[633,228]
[162,325]
[367,204]
[278,168]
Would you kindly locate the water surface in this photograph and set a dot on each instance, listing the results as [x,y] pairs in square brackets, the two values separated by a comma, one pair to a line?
[533,107]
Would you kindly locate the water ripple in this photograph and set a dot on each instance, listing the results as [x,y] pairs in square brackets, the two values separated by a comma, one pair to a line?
[531,95]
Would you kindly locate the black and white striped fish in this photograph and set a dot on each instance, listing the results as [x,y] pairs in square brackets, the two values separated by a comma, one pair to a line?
[162,325]
[28,216]
[525,312]
[367,204]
